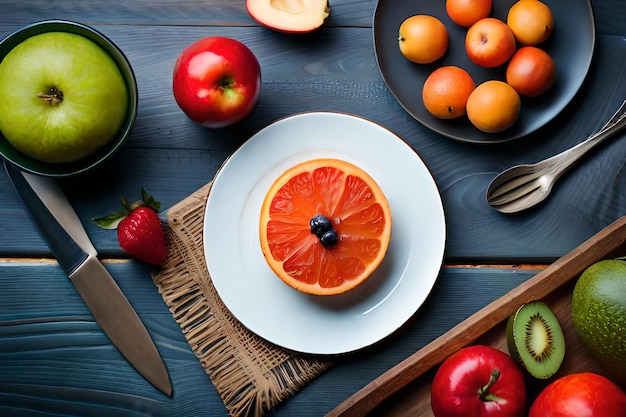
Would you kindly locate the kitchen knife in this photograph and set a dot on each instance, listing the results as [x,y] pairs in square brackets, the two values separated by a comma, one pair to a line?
[63,231]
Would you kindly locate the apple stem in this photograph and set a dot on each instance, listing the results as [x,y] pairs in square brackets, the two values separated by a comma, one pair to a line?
[483,392]
[54,96]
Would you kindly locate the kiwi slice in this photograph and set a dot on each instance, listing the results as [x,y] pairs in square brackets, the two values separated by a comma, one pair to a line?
[535,339]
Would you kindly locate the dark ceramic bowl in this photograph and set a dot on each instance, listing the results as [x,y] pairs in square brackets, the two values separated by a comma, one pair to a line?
[28,164]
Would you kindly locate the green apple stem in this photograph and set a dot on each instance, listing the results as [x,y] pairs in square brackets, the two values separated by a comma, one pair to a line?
[54,96]
[483,392]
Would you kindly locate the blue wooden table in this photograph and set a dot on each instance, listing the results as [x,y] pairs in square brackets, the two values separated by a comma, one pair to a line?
[54,359]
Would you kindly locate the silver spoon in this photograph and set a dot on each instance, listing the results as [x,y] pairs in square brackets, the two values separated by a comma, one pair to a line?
[523,186]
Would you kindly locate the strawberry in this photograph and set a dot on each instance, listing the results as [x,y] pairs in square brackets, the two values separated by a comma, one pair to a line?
[139,230]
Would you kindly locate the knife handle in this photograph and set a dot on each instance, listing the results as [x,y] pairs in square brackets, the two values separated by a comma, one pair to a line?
[67,252]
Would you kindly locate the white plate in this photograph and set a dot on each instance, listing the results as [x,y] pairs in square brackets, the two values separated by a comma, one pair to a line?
[323,324]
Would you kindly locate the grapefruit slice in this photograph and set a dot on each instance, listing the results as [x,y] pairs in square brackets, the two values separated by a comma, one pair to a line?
[325,226]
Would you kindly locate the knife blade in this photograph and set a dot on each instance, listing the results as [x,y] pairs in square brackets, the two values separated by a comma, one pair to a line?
[65,235]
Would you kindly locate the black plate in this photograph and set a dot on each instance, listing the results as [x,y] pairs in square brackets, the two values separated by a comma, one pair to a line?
[571,45]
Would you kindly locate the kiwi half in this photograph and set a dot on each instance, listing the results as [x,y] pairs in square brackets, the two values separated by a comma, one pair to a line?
[535,339]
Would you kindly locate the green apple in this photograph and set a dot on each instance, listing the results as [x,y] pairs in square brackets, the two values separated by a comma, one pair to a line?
[62,97]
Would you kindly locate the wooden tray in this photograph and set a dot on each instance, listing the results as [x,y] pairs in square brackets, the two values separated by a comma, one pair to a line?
[405,388]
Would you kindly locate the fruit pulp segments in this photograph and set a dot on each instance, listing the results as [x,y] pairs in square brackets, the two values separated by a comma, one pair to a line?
[345,199]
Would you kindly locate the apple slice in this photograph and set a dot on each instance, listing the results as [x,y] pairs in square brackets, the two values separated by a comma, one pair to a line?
[291,16]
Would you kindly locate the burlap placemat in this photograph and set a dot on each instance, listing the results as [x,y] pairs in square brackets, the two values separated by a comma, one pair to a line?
[250,374]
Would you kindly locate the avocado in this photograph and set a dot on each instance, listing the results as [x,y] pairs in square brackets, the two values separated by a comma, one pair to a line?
[599,314]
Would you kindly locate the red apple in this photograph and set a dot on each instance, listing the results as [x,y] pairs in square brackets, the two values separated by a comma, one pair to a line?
[217,81]
[478,381]
[288,15]
[581,394]
[490,42]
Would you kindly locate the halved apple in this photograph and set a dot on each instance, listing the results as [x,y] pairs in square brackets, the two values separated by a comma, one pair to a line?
[292,16]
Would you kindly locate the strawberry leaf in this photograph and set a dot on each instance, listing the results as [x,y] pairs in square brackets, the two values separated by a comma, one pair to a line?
[110,221]
[149,200]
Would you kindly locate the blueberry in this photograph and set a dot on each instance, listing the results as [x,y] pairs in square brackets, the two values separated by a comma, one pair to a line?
[329,238]
[320,225]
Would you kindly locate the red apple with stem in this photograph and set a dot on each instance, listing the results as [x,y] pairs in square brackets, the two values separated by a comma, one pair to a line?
[478,381]
[217,81]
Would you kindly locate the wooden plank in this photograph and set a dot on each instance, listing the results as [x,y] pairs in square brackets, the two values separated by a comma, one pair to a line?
[609,14]
[54,357]
[336,71]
